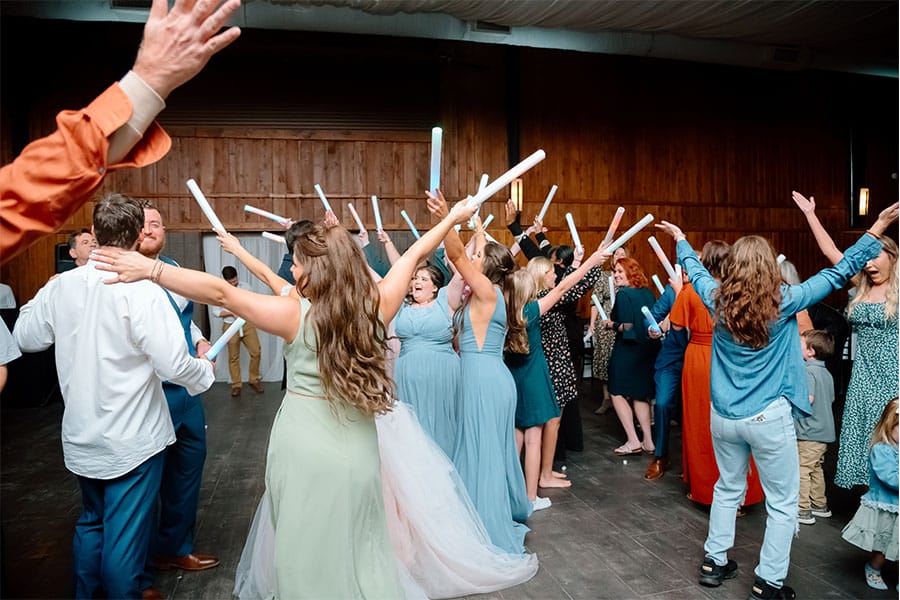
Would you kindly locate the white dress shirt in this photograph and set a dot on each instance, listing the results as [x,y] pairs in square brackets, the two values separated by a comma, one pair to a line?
[115,345]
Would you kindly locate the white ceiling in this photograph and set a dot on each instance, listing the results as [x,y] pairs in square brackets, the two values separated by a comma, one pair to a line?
[845,35]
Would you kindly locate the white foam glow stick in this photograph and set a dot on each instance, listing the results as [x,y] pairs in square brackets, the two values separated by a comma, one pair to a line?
[599,306]
[487,221]
[377,214]
[457,227]
[780,258]
[409,222]
[617,218]
[661,256]
[266,214]
[436,134]
[274,237]
[573,231]
[356,218]
[232,330]
[547,203]
[505,179]
[204,205]
[653,324]
[322,197]
[484,181]
[658,284]
[629,234]
[612,290]
[678,274]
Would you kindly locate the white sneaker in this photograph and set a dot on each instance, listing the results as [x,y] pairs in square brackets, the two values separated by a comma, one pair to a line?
[540,503]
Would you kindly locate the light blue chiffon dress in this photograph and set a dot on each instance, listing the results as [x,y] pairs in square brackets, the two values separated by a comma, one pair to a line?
[427,370]
[485,453]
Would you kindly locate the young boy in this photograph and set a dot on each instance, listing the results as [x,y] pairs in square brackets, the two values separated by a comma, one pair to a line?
[817,430]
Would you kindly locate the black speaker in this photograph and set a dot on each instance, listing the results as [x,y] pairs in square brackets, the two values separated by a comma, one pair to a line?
[64,262]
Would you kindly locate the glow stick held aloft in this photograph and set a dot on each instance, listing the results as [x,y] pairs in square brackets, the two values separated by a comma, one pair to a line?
[436,135]
[623,239]
[274,237]
[661,256]
[780,258]
[204,205]
[356,218]
[678,274]
[487,221]
[266,214]
[220,343]
[599,306]
[653,324]
[377,214]
[409,222]
[547,202]
[322,197]
[505,179]
[658,284]
[612,290]
[484,181]
[617,218]
[573,231]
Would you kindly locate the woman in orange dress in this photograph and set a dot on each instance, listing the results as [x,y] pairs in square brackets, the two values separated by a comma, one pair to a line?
[698,458]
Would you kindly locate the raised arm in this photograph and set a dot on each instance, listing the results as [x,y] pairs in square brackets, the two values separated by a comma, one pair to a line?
[391,250]
[826,244]
[595,259]
[395,284]
[258,268]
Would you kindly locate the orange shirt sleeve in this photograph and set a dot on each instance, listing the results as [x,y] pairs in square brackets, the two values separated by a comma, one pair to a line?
[54,176]
[680,309]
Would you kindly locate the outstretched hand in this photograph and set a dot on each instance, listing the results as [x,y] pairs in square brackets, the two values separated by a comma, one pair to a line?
[512,215]
[671,229]
[889,215]
[807,206]
[129,265]
[179,42]
[230,244]
[437,205]
[331,219]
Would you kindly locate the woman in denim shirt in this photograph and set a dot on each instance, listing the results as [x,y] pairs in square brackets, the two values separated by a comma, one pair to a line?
[756,381]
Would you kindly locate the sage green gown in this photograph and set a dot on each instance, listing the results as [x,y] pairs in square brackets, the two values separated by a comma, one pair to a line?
[323,477]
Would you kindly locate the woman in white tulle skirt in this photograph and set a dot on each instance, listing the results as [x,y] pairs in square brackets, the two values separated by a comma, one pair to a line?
[442,546]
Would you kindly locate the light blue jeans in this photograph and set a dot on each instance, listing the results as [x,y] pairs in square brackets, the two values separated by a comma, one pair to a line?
[770,437]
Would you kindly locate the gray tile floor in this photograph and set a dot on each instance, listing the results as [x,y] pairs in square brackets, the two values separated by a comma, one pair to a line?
[612,535]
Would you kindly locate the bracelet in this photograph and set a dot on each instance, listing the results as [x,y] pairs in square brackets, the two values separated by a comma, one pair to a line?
[157,270]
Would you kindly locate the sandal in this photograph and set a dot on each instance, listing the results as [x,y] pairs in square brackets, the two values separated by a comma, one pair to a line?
[625,450]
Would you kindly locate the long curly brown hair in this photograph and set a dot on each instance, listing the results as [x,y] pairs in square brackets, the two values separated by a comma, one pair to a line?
[749,297]
[713,255]
[345,314]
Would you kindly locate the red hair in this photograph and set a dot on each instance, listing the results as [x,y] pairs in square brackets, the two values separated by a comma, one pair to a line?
[634,272]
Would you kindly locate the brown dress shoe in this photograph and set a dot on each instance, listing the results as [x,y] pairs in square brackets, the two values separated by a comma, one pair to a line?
[258,387]
[188,562]
[235,391]
[657,468]
[153,594]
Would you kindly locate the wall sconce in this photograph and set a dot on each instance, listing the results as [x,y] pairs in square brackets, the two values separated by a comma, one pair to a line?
[863,201]
[515,193]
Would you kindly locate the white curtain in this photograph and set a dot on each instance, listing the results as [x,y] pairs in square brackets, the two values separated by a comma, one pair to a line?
[271,365]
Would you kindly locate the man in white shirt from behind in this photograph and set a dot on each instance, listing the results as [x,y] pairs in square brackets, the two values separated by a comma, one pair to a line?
[115,345]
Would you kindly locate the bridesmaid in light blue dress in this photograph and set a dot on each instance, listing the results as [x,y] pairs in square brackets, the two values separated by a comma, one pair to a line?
[485,453]
[427,370]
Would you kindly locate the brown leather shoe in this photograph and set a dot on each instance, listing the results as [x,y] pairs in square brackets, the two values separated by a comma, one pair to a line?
[235,391]
[188,562]
[657,468]
[258,386]
[153,594]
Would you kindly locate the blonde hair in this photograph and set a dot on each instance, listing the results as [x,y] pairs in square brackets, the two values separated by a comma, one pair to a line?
[350,338]
[749,298]
[864,282]
[539,266]
[524,291]
[884,430]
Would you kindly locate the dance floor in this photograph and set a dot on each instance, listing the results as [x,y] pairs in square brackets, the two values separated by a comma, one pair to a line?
[611,535]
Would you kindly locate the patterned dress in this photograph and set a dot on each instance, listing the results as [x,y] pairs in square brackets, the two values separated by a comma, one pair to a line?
[603,338]
[873,383]
[556,340]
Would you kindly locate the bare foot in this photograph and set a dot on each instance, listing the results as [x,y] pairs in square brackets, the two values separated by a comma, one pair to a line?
[553,482]
[558,475]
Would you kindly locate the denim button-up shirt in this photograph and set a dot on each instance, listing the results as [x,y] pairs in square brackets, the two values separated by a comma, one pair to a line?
[744,380]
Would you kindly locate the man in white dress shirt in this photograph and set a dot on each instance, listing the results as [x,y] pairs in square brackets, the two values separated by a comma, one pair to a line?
[115,345]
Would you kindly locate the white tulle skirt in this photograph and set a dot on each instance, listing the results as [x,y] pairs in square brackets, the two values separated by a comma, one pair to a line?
[442,547]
